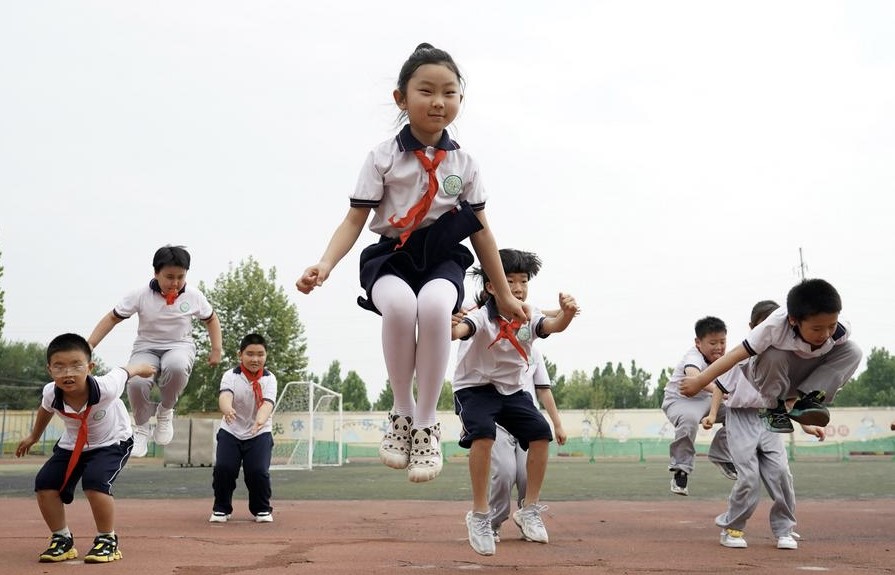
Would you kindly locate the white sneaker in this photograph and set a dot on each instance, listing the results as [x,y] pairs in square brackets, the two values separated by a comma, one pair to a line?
[218,517]
[141,440]
[733,538]
[529,521]
[425,454]
[394,450]
[164,426]
[787,542]
[481,537]
[264,517]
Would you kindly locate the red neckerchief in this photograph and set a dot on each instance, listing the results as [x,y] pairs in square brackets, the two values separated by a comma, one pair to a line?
[170,297]
[255,380]
[507,331]
[415,215]
[79,442]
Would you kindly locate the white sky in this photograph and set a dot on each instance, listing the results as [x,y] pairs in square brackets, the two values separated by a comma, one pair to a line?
[667,160]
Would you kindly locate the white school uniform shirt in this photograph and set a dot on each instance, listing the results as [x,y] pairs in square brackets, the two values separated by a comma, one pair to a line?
[236,383]
[536,377]
[393,180]
[108,422]
[164,326]
[500,365]
[693,358]
[740,391]
[776,332]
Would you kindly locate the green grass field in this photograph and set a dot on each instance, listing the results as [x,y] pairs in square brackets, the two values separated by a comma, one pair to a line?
[568,479]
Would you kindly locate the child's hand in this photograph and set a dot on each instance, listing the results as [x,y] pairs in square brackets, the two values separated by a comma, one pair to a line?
[708,421]
[560,434]
[458,317]
[229,415]
[25,445]
[690,385]
[512,308]
[256,427]
[141,370]
[214,358]
[817,431]
[313,277]
[567,304]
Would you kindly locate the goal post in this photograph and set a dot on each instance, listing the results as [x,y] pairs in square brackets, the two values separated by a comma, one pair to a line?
[307,427]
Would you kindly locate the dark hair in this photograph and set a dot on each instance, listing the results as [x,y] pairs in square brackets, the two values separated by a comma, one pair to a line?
[709,324]
[761,311]
[169,255]
[251,339]
[68,342]
[811,297]
[513,262]
[422,55]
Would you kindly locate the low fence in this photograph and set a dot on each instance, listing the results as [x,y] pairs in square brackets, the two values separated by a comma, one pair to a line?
[634,434]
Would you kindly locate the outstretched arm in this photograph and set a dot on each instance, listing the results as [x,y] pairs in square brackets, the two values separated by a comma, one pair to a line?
[486,249]
[545,397]
[709,420]
[568,308]
[342,241]
[214,334]
[102,329]
[693,384]
[40,424]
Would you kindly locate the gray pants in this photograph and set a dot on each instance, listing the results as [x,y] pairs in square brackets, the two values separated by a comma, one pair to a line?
[685,414]
[173,372]
[779,374]
[760,457]
[508,467]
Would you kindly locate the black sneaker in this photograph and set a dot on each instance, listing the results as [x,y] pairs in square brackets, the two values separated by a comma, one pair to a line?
[727,469]
[61,548]
[809,410]
[679,483]
[776,419]
[105,549]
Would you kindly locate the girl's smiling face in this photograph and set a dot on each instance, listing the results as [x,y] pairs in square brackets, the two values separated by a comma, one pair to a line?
[432,101]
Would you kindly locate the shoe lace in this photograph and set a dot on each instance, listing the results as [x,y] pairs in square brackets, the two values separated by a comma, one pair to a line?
[532,514]
[482,526]
[103,540]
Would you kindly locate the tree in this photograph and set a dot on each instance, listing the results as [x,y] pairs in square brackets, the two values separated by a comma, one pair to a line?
[332,379]
[657,397]
[875,386]
[2,307]
[23,373]
[446,398]
[354,393]
[246,300]
[386,399]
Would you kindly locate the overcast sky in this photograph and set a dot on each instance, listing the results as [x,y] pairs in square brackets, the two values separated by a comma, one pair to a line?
[667,160]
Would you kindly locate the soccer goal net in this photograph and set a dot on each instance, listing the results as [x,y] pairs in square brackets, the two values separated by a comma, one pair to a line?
[307,427]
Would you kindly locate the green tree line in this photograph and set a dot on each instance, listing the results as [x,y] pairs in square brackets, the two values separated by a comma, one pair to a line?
[247,299]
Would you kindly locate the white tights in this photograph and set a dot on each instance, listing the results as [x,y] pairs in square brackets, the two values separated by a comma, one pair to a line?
[416,338]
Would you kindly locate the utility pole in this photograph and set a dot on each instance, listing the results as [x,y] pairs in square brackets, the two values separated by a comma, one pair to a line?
[802,266]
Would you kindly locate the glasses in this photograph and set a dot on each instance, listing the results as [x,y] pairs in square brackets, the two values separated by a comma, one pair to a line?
[63,370]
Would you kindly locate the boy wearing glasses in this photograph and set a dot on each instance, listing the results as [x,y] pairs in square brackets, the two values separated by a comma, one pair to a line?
[93,448]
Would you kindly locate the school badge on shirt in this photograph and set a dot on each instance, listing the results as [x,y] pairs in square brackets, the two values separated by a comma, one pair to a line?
[452,185]
[524,333]
[185,306]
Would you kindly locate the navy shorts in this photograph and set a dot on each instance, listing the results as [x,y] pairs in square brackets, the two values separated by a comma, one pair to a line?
[482,406]
[97,469]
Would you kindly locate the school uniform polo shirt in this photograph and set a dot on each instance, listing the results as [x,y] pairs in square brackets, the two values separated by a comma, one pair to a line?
[161,325]
[776,332]
[480,363]
[693,358]
[740,391]
[392,181]
[108,422]
[236,383]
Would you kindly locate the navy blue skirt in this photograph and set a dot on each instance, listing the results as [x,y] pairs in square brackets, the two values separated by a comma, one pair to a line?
[433,252]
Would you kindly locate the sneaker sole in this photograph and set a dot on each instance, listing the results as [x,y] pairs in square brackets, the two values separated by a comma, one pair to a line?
[733,545]
[106,559]
[678,490]
[393,460]
[788,547]
[70,554]
[811,417]
[423,474]
[526,536]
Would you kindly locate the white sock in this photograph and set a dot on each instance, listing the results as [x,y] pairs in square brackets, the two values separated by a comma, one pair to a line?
[65,532]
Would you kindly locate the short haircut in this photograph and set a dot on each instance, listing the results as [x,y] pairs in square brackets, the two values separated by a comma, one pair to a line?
[761,311]
[709,324]
[169,255]
[252,339]
[513,262]
[812,297]
[68,342]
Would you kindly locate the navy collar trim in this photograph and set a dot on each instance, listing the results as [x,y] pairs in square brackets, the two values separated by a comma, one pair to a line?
[238,371]
[92,394]
[153,285]
[491,308]
[408,143]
